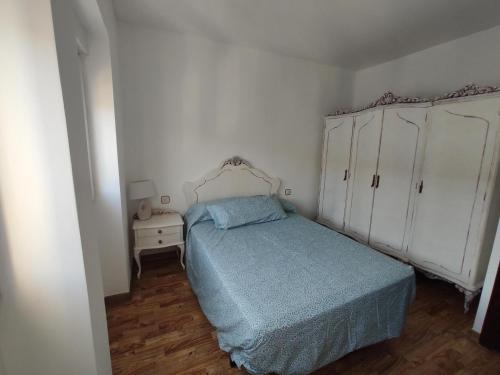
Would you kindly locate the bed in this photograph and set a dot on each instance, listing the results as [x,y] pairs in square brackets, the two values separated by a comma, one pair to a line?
[288,296]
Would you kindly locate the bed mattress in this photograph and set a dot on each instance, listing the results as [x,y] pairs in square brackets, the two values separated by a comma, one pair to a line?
[291,296]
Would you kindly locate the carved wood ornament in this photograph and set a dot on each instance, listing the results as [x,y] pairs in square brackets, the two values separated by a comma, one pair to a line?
[235,161]
[389,98]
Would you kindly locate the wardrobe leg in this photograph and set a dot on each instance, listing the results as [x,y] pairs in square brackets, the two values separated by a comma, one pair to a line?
[469,296]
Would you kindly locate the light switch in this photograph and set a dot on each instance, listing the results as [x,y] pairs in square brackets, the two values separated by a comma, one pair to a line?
[288,191]
[165,199]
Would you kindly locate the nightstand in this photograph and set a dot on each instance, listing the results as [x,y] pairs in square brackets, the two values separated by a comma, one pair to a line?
[158,232]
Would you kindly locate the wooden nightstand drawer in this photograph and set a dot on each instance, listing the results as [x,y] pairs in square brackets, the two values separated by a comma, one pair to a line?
[159,241]
[158,231]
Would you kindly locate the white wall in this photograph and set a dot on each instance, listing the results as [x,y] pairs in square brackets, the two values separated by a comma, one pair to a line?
[45,315]
[189,103]
[106,145]
[69,34]
[434,71]
[108,16]
[489,281]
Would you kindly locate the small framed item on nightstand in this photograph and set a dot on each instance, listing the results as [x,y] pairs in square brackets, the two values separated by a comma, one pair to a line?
[160,231]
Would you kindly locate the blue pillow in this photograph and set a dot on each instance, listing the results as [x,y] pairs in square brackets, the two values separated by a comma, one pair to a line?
[197,213]
[287,206]
[235,212]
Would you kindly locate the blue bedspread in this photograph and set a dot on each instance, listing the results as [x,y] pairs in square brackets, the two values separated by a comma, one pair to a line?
[291,296]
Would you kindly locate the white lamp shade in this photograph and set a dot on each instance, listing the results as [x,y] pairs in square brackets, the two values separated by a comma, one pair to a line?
[141,189]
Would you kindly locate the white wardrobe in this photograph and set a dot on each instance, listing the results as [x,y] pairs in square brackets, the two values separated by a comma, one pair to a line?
[416,181]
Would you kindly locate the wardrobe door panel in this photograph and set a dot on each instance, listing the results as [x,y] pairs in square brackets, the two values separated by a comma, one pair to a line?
[402,130]
[367,128]
[456,169]
[337,148]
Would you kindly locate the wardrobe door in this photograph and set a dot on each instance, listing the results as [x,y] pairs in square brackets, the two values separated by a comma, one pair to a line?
[336,152]
[457,167]
[367,128]
[400,151]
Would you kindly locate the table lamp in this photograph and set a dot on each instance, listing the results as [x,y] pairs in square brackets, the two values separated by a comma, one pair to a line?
[142,190]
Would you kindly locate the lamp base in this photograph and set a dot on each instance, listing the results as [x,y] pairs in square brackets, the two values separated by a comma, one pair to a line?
[144,209]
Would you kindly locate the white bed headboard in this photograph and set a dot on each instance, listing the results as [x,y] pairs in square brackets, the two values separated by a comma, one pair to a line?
[234,178]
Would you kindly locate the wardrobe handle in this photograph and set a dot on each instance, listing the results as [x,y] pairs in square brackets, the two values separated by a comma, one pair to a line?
[421,187]
[373,181]
[345,175]
[378,181]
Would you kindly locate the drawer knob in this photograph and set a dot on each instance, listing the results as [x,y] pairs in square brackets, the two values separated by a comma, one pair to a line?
[160,241]
[160,231]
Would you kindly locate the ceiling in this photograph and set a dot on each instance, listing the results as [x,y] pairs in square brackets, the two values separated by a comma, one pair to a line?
[348,33]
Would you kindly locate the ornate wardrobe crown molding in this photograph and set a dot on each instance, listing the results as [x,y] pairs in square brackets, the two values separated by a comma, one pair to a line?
[389,98]
[468,90]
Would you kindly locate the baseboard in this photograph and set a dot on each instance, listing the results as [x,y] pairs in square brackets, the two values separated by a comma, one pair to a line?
[117,299]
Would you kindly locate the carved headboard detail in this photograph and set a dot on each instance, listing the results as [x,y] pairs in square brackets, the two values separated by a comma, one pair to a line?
[234,178]
[235,161]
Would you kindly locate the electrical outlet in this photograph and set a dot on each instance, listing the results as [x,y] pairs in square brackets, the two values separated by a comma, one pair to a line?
[165,199]
[288,191]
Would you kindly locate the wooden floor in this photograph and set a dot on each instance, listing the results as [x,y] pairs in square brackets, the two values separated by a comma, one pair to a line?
[162,330]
